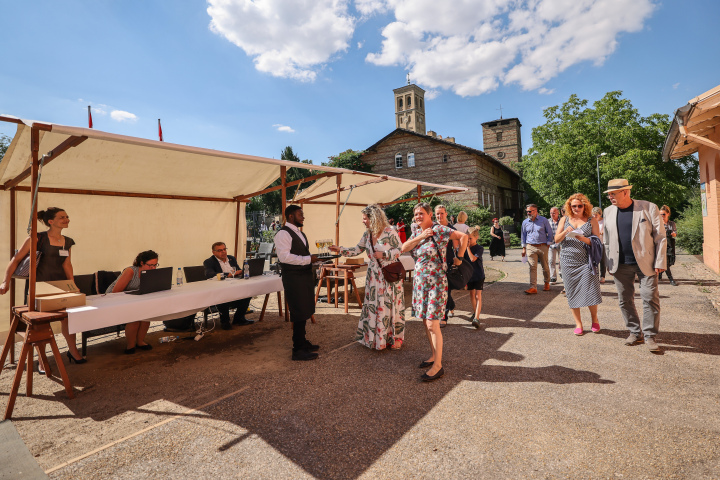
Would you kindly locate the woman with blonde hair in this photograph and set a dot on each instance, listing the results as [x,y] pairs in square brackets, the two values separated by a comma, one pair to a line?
[581,285]
[382,323]
[460,225]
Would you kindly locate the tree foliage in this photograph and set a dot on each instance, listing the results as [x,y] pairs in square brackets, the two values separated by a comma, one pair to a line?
[4,144]
[272,201]
[690,226]
[350,159]
[562,159]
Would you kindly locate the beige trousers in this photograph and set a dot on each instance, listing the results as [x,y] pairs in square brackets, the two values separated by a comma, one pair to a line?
[537,255]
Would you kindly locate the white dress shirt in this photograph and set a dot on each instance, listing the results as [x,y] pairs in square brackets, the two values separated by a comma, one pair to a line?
[283,243]
[225,266]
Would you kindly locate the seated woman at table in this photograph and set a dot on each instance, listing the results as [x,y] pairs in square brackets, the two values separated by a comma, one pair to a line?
[54,264]
[382,323]
[129,279]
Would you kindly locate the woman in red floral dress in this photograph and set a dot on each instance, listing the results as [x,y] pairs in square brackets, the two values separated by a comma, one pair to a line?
[428,244]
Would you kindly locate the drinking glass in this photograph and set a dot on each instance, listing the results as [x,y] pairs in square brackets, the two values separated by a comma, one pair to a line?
[232,272]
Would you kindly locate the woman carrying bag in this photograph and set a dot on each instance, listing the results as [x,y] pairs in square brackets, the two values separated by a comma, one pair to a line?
[382,323]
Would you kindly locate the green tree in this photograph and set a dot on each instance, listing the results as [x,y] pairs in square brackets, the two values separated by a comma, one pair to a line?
[350,159]
[562,159]
[690,226]
[272,201]
[4,144]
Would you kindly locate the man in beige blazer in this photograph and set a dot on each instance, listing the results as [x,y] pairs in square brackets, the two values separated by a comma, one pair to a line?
[635,244]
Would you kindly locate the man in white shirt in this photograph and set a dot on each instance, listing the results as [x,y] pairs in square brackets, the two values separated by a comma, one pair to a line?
[221,262]
[554,252]
[296,262]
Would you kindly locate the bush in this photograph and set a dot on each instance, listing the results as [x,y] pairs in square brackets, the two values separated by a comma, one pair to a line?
[514,240]
[484,236]
[268,236]
[690,227]
[506,221]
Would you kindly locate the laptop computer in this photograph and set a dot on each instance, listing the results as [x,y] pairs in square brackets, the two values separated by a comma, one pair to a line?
[257,266]
[152,281]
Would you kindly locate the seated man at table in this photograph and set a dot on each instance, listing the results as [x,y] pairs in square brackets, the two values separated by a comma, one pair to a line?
[221,262]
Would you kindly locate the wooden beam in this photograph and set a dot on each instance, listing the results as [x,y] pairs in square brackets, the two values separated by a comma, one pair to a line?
[244,198]
[703,141]
[317,202]
[444,192]
[34,148]
[237,228]
[13,242]
[283,184]
[419,193]
[67,144]
[703,117]
[337,216]
[357,185]
[3,118]
[73,191]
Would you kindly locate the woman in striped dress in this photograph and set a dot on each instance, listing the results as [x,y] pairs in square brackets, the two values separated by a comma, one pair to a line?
[582,287]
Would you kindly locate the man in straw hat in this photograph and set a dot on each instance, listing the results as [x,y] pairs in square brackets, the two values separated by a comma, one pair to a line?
[635,244]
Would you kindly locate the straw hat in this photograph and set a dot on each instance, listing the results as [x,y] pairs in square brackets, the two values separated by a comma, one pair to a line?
[618,184]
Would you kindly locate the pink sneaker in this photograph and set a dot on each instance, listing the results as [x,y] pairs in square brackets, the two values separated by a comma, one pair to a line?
[595,327]
[578,332]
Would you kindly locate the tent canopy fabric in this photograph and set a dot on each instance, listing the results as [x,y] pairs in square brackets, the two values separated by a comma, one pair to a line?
[108,162]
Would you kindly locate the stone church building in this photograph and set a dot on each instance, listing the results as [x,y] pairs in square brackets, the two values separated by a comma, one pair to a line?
[414,153]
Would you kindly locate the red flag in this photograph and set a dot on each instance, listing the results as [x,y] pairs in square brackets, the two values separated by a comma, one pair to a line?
[160,130]
[89,117]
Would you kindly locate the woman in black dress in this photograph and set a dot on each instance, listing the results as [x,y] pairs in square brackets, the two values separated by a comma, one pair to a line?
[497,242]
[54,264]
[671,232]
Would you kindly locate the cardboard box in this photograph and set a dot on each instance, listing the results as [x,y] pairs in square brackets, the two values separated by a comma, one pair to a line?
[56,295]
[355,261]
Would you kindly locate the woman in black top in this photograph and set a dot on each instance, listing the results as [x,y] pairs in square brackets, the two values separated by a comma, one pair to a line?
[55,264]
[497,242]
[671,232]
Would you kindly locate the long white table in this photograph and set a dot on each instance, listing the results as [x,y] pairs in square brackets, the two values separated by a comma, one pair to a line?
[119,308]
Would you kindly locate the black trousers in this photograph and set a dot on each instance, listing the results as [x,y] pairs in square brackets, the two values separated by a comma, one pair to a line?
[240,305]
[298,336]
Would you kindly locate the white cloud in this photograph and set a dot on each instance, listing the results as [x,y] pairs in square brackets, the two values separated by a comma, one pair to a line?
[360,45]
[546,91]
[283,128]
[123,116]
[476,45]
[431,94]
[286,38]
[676,85]
[369,7]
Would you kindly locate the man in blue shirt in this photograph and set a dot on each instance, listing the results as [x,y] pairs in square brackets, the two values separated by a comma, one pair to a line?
[536,237]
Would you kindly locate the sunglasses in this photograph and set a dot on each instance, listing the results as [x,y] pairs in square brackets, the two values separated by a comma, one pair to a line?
[577,206]
[528,211]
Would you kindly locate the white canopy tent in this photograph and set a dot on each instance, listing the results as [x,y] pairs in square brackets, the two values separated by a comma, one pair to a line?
[128,194]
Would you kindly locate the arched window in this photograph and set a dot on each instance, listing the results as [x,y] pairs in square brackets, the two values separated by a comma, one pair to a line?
[411,160]
[400,103]
[499,136]
[398,160]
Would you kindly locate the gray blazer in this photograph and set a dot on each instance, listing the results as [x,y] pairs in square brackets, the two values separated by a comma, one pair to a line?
[649,242]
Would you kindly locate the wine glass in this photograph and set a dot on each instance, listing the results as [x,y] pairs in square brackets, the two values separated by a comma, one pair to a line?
[232,272]
[318,244]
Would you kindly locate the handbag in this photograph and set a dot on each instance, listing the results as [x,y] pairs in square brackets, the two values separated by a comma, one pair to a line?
[458,276]
[393,272]
[23,268]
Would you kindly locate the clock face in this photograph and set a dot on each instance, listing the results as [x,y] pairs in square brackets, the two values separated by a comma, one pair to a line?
[500,155]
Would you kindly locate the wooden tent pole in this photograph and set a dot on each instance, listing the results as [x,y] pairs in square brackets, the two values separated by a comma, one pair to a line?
[338,182]
[237,228]
[283,183]
[419,193]
[13,242]
[35,148]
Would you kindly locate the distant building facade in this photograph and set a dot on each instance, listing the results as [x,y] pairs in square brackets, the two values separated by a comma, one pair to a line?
[411,152]
[502,140]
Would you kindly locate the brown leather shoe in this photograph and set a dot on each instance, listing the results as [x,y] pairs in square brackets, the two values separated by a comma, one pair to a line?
[547,287]
[530,291]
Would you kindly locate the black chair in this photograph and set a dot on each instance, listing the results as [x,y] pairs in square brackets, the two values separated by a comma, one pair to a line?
[99,282]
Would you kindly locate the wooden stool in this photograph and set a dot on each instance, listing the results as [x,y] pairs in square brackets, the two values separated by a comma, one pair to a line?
[37,334]
[337,273]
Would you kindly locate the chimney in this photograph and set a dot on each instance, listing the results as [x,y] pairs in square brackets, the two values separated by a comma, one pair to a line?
[432,134]
[450,139]
[440,137]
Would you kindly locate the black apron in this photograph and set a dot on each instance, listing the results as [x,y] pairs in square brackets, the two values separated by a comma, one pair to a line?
[298,281]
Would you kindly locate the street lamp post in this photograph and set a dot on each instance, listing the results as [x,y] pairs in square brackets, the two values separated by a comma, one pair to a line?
[597,162]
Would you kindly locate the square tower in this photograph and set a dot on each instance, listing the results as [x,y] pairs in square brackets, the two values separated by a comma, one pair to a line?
[501,139]
[410,108]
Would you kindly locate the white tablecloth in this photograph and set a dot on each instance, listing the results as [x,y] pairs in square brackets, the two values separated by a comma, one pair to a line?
[118,308]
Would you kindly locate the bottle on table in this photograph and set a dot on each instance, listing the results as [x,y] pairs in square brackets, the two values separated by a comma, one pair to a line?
[179,277]
[246,270]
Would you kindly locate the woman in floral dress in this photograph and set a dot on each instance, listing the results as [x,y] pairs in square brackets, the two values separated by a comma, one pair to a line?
[429,244]
[382,323]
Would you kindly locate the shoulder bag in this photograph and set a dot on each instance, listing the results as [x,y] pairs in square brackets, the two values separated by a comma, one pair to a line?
[23,268]
[458,276]
[393,272]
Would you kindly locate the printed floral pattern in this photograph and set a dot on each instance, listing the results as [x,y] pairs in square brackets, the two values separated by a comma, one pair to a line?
[430,289]
[382,321]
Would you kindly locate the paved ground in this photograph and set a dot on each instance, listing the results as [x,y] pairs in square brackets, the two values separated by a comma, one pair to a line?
[522,398]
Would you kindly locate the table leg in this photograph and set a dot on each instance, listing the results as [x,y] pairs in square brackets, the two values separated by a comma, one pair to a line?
[43,357]
[16,382]
[9,343]
[29,374]
[320,281]
[312,319]
[336,291]
[61,367]
[345,289]
[280,309]
[262,312]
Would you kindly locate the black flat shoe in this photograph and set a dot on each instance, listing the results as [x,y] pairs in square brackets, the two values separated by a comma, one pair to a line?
[310,347]
[243,322]
[72,359]
[429,378]
[129,351]
[303,355]
[426,364]
[145,347]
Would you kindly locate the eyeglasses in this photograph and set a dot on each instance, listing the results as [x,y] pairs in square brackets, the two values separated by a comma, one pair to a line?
[152,265]
[528,211]
[577,206]
[221,249]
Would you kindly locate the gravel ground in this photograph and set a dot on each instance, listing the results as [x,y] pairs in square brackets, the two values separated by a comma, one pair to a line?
[522,398]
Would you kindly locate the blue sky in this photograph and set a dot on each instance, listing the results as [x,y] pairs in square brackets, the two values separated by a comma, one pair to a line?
[230,74]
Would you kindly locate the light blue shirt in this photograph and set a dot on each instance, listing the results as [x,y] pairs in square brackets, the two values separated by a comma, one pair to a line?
[537,231]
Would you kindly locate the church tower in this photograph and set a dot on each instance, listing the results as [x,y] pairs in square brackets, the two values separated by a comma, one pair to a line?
[501,139]
[410,108]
